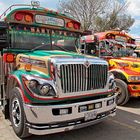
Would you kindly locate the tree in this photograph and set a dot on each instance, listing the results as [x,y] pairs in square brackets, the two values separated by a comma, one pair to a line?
[115,17]
[99,15]
[84,11]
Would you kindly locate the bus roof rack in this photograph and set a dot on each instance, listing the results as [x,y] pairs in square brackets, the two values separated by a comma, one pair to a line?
[34,4]
[10,8]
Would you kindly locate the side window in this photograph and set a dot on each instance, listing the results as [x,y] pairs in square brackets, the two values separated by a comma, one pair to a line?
[91,48]
[102,48]
[82,48]
[3,38]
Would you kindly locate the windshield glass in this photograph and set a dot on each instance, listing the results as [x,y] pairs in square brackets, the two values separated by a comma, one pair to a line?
[51,40]
[115,49]
[66,41]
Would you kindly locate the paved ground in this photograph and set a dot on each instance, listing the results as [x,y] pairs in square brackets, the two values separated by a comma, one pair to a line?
[125,126]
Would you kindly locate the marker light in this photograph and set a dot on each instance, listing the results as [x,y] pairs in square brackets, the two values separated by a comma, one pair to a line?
[52,70]
[76,26]
[69,24]
[28,67]
[8,58]
[19,16]
[28,18]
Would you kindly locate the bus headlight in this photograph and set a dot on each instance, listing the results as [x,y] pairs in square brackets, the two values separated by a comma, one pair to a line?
[134,78]
[39,87]
[33,84]
[111,82]
[46,90]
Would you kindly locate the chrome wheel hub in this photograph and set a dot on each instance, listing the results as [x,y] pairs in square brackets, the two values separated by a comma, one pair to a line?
[16,112]
[118,91]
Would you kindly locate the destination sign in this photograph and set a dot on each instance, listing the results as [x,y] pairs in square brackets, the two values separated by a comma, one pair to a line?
[49,20]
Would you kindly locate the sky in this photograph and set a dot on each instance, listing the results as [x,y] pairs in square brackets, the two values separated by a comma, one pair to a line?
[133,9]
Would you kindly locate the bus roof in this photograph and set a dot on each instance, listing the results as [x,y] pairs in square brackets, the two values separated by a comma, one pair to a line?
[102,35]
[40,16]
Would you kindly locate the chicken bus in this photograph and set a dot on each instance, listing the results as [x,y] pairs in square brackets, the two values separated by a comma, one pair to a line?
[46,86]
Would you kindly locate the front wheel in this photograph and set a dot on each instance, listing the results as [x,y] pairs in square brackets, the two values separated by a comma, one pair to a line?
[122,91]
[17,115]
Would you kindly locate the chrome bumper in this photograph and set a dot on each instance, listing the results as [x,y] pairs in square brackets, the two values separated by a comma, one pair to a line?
[41,120]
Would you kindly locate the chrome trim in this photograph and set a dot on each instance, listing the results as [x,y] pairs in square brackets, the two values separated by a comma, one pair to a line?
[42,114]
[78,125]
[94,77]
[42,81]
[79,62]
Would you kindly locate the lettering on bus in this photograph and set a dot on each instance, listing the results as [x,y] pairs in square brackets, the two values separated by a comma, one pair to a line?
[49,20]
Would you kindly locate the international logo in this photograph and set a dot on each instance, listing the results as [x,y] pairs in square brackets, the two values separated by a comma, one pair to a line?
[87,64]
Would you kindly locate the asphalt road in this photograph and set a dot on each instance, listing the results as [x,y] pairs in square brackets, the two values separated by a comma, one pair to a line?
[124,126]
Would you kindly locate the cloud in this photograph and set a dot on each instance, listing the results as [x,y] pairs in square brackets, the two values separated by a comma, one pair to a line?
[134,7]
[134,11]
[135,29]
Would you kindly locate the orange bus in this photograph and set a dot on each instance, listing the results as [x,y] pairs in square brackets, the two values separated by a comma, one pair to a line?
[117,47]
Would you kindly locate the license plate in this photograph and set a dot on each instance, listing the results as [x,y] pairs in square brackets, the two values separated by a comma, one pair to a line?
[90,115]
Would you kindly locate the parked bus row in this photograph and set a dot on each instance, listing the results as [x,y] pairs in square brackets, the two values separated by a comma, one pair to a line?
[119,49]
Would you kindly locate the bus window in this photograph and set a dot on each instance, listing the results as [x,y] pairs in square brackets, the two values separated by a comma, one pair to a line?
[91,48]
[3,38]
[28,40]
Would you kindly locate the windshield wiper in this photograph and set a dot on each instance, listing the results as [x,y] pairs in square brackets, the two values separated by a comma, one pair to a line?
[60,47]
[43,45]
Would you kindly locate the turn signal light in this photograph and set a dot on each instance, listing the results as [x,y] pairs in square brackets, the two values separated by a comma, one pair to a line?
[8,58]
[28,67]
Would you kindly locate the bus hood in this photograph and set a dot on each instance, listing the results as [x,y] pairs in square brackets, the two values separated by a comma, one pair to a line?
[41,61]
[128,65]
[62,56]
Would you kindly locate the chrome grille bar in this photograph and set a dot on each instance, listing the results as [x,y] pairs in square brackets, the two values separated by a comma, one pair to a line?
[76,77]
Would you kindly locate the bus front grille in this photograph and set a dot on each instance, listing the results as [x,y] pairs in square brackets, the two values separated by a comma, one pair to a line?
[78,77]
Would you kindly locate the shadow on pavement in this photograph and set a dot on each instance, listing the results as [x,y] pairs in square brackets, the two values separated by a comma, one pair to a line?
[123,126]
[133,103]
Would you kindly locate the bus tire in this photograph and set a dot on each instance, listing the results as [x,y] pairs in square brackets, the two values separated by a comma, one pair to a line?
[122,91]
[17,115]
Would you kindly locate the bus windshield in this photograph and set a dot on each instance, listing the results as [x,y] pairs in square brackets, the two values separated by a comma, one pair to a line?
[115,49]
[52,40]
